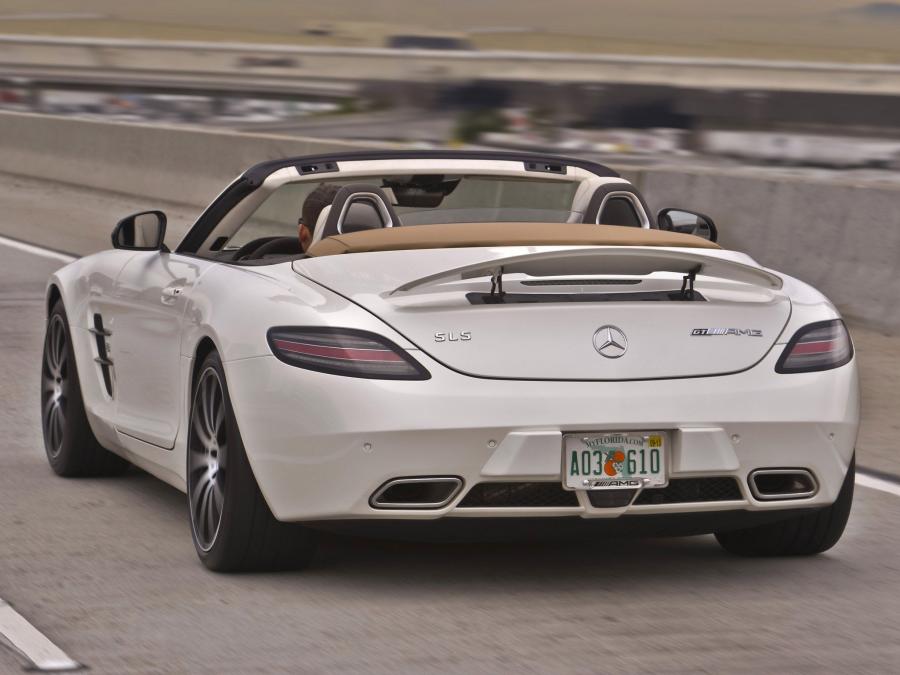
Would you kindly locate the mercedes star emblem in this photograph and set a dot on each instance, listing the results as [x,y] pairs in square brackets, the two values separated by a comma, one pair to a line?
[610,342]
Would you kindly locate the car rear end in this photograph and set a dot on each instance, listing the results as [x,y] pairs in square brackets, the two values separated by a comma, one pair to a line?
[614,388]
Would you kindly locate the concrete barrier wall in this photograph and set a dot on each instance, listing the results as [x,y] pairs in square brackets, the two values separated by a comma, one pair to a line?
[842,238]
[172,164]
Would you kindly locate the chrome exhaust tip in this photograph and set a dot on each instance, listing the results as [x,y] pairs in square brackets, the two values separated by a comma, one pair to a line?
[426,492]
[774,484]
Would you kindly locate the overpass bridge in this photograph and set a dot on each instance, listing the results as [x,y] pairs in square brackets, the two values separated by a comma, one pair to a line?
[289,69]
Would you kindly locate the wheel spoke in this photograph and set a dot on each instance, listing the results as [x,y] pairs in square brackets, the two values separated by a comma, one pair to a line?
[60,417]
[56,353]
[215,509]
[204,438]
[210,518]
[214,397]
[51,345]
[49,383]
[48,422]
[52,428]
[63,362]
[54,413]
[219,428]
[204,500]
[48,407]
[58,424]
[48,362]
[50,353]
[61,354]
[204,403]
[200,406]
[197,477]
[206,508]
[200,517]
[210,405]
[219,492]
[57,344]
[200,486]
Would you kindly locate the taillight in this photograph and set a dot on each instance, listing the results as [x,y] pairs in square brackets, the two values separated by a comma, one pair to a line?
[818,346]
[344,351]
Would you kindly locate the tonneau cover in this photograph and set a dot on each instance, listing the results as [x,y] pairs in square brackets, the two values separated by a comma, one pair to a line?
[469,235]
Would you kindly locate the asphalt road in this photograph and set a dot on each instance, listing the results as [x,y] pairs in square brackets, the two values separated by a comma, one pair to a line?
[106,569]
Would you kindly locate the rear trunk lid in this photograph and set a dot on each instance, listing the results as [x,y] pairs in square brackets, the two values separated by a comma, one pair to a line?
[584,313]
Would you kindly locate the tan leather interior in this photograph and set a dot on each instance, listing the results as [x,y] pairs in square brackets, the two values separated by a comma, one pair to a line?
[473,235]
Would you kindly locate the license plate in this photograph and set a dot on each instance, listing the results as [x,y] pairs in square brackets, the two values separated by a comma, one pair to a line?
[615,460]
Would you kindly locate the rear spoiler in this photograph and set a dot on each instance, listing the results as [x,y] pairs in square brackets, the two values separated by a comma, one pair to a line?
[617,261]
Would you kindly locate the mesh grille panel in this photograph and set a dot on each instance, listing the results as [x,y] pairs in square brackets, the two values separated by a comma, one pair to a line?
[688,490]
[518,495]
[552,494]
[610,499]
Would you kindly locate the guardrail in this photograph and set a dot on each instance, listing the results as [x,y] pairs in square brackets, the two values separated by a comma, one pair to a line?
[108,60]
[842,237]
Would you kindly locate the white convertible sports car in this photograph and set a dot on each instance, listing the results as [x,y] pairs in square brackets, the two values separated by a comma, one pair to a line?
[464,344]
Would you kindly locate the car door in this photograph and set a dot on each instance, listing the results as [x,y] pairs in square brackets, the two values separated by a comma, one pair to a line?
[151,294]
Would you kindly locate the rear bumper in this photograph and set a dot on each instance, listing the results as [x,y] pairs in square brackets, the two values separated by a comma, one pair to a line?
[320,445]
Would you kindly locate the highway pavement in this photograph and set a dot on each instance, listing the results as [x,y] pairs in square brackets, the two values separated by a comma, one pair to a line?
[106,570]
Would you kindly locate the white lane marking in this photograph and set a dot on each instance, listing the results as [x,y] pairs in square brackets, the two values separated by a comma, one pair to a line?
[27,640]
[876,483]
[37,250]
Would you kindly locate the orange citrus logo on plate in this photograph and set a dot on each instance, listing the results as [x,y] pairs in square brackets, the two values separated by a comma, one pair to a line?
[612,459]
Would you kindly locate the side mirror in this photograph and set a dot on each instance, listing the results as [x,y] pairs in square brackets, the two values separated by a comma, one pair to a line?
[144,231]
[688,222]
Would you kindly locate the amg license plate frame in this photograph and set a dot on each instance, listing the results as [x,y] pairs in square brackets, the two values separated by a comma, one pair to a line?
[615,460]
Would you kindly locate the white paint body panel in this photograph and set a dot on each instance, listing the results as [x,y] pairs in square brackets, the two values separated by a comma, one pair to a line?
[150,297]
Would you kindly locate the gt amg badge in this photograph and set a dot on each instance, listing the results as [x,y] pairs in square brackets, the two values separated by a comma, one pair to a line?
[626,483]
[610,341]
[750,332]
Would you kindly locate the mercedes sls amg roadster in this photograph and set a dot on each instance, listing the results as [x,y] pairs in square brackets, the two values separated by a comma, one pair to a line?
[460,345]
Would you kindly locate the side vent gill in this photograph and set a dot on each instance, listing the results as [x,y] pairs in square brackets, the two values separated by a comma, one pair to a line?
[100,335]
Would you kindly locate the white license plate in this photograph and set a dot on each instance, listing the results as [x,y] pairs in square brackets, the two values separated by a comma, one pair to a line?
[615,460]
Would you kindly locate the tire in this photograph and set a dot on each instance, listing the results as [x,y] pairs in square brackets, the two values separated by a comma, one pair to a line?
[807,534]
[231,524]
[72,449]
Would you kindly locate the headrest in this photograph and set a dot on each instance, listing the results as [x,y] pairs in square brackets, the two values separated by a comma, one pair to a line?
[358,207]
[601,199]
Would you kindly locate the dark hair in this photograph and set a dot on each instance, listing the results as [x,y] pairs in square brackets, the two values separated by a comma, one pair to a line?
[315,201]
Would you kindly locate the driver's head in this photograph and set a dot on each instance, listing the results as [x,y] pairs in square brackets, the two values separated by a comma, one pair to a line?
[315,201]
